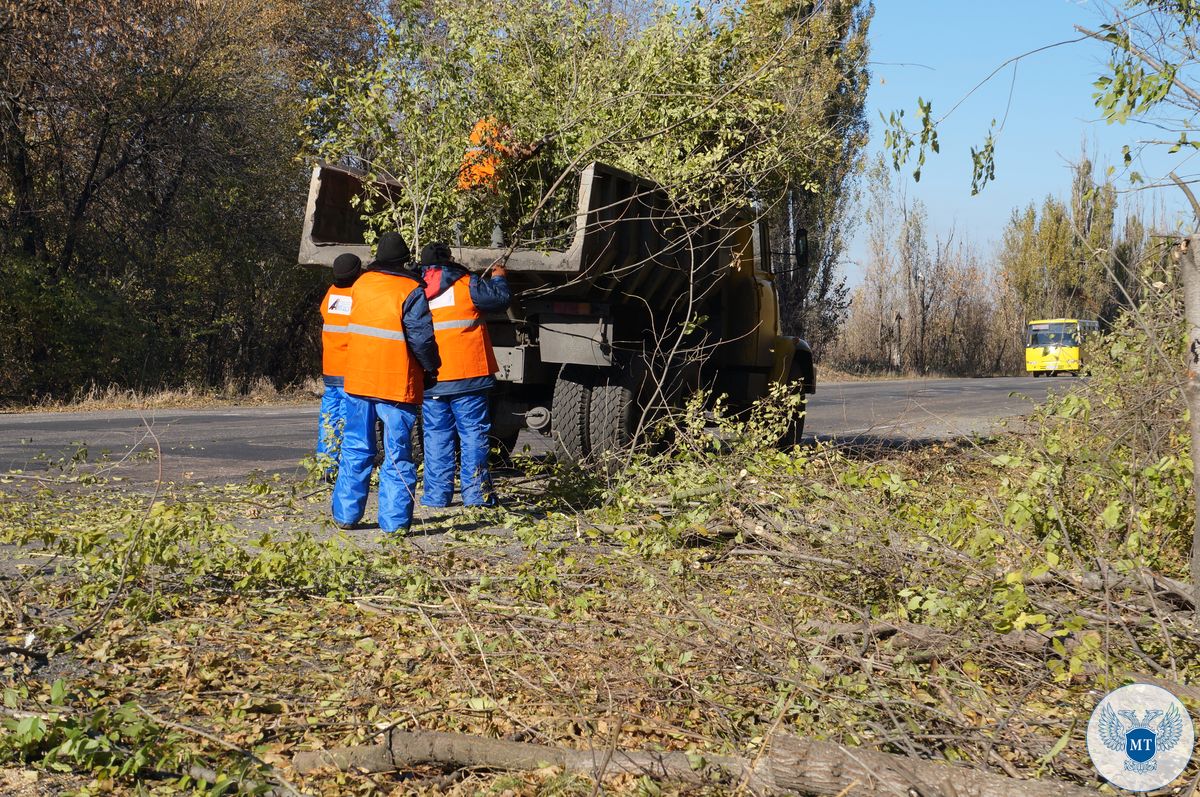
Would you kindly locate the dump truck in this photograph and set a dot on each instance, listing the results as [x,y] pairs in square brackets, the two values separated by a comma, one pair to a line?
[628,310]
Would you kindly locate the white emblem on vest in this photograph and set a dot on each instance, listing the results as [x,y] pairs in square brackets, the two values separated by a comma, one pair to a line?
[340,305]
[444,299]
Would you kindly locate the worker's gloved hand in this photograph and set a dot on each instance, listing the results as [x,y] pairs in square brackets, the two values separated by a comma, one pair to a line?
[497,269]
[430,379]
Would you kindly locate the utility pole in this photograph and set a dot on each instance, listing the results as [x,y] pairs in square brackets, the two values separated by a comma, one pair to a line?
[922,320]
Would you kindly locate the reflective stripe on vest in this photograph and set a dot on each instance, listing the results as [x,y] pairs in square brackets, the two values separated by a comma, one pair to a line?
[375,332]
[466,323]
[379,364]
[335,314]
[462,335]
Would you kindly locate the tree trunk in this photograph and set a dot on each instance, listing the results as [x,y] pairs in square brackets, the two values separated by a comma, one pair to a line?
[791,766]
[1190,278]
[801,263]
[23,218]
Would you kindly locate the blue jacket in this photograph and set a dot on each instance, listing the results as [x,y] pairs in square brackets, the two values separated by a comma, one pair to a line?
[488,296]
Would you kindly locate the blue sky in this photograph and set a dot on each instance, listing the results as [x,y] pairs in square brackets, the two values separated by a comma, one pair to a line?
[940,49]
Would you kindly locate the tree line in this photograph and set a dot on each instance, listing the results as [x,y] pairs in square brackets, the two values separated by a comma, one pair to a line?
[933,303]
[150,189]
[154,154]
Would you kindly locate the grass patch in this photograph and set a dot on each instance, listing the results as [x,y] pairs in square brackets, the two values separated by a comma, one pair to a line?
[115,397]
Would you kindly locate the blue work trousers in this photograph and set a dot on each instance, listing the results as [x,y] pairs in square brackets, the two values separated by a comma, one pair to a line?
[461,422]
[332,421]
[397,475]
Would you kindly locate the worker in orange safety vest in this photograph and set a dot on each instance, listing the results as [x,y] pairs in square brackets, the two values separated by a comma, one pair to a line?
[455,413]
[335,315]
[392,356]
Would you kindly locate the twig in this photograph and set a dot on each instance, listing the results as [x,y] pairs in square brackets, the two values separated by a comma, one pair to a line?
[203,734]
[41,658]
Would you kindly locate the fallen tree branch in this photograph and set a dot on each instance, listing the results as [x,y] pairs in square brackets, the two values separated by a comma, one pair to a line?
[214,778]
[1144,581]
[201,773]
[40,658]
[925,642]
[792,766]
[1182,691]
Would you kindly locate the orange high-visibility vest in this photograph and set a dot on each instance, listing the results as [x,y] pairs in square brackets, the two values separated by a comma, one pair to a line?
[335,315]
[461,334]
[378,362]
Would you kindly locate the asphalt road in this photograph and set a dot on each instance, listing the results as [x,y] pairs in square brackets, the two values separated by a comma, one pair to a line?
[916,410]
[229,443]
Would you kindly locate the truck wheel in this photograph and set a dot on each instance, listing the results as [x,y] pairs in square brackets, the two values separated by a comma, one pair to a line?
[379,452]
[569,410]
[502,439]
[417,440]
[613,417]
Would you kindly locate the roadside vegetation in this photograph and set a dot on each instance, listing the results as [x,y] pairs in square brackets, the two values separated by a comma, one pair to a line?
[114,397]
[156,155]
[149,192]
[965,603]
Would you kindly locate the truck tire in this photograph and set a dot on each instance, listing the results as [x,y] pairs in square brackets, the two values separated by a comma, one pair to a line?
[616,407]
[612,419]
[417,440]
[379,452]
[569,410]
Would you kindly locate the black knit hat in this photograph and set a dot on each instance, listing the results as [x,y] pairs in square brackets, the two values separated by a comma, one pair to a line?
[391,250]
[345,269]
[436,254]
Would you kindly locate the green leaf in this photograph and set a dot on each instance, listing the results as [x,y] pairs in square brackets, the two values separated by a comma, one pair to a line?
[58,692]
[1059,746]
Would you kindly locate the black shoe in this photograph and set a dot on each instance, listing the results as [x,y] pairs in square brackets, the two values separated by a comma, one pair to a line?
[345,526]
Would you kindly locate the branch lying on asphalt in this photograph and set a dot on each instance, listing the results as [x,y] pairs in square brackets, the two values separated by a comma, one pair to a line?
[792,766]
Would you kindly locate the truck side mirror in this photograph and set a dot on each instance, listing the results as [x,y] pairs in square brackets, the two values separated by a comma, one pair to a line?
[801,248]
